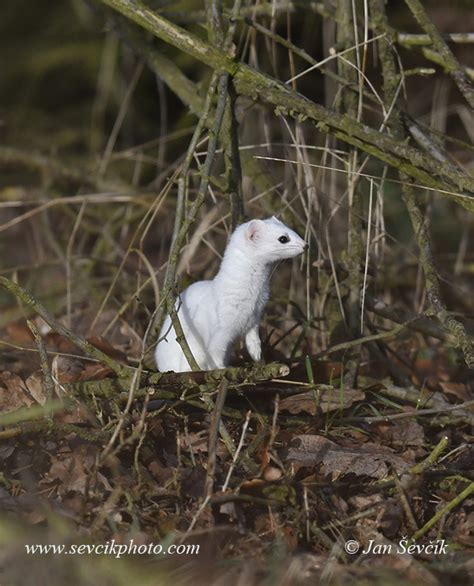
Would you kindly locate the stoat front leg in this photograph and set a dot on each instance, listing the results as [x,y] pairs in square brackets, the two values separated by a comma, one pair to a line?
[253,344]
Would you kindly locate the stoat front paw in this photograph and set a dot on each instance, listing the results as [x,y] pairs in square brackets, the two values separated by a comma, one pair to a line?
[255,354]
[254,347]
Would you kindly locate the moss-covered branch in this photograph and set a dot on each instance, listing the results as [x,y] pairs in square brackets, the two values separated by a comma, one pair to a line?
[443,511]
[438,43]
[257,85]
[176,387]
[412,40]
[189,93]
[27,298]
[419,219]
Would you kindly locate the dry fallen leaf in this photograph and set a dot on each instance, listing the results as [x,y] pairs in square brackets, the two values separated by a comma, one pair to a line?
[362,460]
[464,530]
[13,392]
[458,390]
[36,387]
[66,369]
[71,470]
[196,442]
[107,348]
[402,433]
[161,473]
[18,332]
[328,400]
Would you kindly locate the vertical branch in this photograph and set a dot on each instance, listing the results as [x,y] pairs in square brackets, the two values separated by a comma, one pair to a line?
[47,376]
[419,220]
[28,299]
[346,37]
[186,212]
[213,437]
[232,162]
[182,188]
[449,60]
[181,339]
[178,237]
[230,137]
[215,29]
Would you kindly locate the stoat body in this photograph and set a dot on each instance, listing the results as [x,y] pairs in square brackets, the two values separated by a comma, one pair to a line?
[214,314]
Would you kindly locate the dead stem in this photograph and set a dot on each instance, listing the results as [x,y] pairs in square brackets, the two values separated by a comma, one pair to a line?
[213,437]
[81,343]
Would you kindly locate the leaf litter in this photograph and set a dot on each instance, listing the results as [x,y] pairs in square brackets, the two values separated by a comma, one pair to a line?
[315,467]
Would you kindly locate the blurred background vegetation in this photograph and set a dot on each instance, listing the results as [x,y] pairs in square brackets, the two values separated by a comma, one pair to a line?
[74,93]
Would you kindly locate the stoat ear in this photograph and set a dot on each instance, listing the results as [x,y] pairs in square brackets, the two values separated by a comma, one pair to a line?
[253,230]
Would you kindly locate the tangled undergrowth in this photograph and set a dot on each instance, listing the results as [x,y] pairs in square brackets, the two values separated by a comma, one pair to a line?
[348,455]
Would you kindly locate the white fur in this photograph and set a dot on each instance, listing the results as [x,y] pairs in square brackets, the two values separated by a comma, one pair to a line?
[214,314]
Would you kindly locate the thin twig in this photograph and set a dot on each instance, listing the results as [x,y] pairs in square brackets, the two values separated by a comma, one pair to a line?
[255,84]
[410,39]
[81,343]
[213,437]
[419,219]
[237,451]
[418,468]
[444,511]
[411,521]
[184,222]
[181,339]
[406,415]
[439,44]
[354,343]
[47,376]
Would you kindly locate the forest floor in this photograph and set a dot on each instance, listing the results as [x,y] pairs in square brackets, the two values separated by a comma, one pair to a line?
[309,481]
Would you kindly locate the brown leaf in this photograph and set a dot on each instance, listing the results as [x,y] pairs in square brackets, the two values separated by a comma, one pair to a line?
[72,469]
[78,414]
[161,473]
[253,483]
[464,531]
[329,400]
[35,517]
[192,481]
[390,518]
[400,434]
[195,441]
[107,348]
[291,537]
[363,460]
[459,390]
[55,341]
[95,371]
[66,369]
[19,333]
[72,369]
[323,370]
[13,392]
[35,384]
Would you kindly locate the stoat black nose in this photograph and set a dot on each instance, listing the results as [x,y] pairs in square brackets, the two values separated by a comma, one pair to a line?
[306,246]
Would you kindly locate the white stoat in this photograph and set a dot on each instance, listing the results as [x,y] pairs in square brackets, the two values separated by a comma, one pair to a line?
[214,314]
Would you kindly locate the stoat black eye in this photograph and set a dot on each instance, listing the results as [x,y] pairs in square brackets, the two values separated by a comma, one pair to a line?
[283,239]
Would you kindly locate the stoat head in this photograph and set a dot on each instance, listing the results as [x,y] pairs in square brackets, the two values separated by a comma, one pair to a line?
[270,240]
